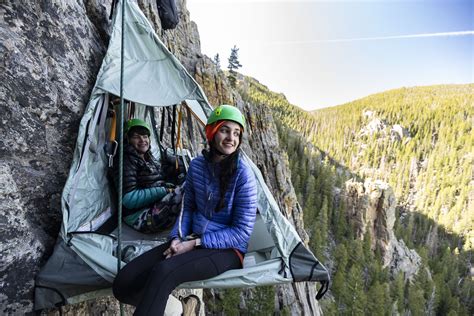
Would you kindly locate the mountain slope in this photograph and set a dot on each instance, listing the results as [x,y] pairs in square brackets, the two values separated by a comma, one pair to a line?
[419,140]
[423,142]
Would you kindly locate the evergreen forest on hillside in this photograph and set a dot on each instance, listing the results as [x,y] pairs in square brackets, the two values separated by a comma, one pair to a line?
[420,141]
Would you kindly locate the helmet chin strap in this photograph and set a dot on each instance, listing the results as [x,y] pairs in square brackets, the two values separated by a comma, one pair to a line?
[218,152]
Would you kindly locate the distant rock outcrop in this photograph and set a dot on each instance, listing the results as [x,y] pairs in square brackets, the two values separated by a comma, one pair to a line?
[371,208]
[398,132]
[376,125]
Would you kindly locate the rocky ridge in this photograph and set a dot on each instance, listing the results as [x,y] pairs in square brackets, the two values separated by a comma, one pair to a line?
[371,208]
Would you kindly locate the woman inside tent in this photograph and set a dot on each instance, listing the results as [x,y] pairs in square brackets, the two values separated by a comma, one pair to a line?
[212,235]
[150,204]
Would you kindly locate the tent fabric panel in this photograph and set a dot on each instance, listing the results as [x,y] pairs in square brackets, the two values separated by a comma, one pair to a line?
[260,239]
[155,83]
[97,251]
[153,76]
[265,273]
[87,193]
[305,267]
[65,274]
[284,235]
[48,297]
[80,142]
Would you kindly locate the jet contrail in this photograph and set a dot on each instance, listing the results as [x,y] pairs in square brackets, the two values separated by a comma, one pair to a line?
[378,38]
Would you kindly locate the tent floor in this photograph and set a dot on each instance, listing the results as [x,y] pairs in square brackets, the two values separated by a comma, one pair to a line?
[129,234]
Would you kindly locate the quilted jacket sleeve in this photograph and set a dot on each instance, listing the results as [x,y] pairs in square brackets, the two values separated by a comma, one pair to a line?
[188,207]
[244,210]
[143,197]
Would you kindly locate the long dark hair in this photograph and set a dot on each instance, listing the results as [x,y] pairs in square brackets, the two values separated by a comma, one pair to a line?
[227,171]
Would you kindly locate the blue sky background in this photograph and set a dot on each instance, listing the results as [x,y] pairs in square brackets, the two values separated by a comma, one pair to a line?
[325,53]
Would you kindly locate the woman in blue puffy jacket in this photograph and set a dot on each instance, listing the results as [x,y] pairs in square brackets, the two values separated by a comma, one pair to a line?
[212,233]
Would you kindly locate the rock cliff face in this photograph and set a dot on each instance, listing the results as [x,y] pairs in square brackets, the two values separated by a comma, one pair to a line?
[51,52]
[371,208]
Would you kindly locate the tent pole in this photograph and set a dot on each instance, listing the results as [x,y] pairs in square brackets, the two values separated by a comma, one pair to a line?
[121,124]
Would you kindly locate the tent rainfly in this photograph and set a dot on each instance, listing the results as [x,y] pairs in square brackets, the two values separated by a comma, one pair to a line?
[84,262]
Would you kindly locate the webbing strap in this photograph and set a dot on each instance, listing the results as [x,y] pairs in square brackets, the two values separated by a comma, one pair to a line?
[178,137]
[190,127]
[113,126]
[170,119]
[162,127]
[131,110]
[173,129]
[151,112]
[109,143]
[180,219]
[178,140]
[324,288]
[114,2]
[103,118]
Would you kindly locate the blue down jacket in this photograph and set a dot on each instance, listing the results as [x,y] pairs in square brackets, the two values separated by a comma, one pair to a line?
[232,226]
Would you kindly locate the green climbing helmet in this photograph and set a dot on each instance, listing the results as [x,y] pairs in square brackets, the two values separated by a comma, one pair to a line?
[226,113]
[137,122]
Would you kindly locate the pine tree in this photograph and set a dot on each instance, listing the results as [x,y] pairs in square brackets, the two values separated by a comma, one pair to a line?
[230,303]
[322,228]
[262,301]
[378,299]
[234,64]
[217,61]
[339,285]
[340,221]
[416,300]
[357,299]
[398,291]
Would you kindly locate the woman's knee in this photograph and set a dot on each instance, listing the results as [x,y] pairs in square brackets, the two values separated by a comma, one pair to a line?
[119,286]
[123,283]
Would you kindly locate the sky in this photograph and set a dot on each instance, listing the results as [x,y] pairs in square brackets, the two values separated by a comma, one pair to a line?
[326,53]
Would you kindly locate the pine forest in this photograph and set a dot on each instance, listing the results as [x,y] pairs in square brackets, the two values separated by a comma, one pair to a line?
[418,140]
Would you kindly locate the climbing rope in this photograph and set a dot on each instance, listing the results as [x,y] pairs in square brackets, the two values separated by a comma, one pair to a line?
[121,124]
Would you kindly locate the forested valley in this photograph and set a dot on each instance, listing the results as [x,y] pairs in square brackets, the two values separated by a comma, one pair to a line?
[419,141]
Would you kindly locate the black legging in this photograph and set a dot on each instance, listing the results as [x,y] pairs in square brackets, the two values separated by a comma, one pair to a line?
[149,279]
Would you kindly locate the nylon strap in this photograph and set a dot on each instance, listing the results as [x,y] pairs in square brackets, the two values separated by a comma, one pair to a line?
[178,138]
[190,127]
[103,117]
[112,9]
[162,127]
[173,129]
[113,127]
[155,133]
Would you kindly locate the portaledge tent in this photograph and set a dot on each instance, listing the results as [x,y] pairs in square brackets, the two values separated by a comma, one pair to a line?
[83,264]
